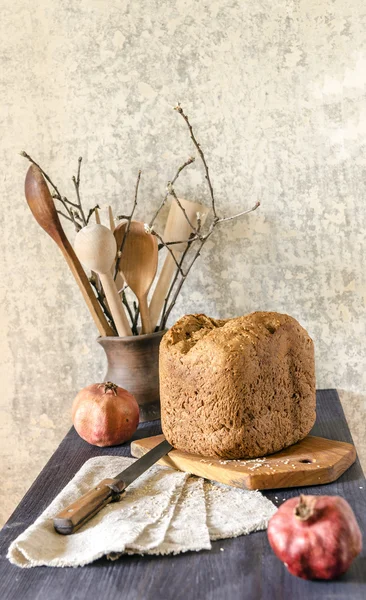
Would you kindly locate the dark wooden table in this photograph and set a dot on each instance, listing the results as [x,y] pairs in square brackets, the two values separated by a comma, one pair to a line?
[247,569]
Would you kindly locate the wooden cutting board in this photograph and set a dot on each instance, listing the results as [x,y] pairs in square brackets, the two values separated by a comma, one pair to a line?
[312,461]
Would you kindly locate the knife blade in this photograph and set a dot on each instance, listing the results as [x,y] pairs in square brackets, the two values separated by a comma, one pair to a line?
[71,518]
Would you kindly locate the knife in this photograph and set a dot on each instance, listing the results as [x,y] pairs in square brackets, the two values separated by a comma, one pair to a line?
[71,518]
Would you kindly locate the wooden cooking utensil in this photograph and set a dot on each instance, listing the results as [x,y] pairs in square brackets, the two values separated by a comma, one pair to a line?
[97,216]
[138,264]
[96,248]
[118,279]
[176,228]
[93,273]
[112,225]
[44,211]
[312,461]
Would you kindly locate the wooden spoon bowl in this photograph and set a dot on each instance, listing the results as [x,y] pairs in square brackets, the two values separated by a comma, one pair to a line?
[138,263]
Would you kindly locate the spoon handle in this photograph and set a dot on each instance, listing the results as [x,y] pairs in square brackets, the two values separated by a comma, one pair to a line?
[145,315]
[115,305]
[85,288]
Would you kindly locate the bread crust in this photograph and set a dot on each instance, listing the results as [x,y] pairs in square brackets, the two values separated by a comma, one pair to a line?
[237,388]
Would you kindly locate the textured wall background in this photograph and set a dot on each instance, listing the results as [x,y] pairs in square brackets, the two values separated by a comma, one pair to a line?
[276,91]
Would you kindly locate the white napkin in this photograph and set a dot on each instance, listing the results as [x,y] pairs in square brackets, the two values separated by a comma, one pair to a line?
[163,512]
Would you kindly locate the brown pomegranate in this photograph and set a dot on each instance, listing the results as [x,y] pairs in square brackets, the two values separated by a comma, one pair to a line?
[317,537]
[105,414]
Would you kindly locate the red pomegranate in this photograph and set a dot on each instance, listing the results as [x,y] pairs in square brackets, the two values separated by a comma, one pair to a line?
[105,414]
[317,537]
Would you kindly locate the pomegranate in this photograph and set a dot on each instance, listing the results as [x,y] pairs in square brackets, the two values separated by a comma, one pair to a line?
[105,414]
[317,537]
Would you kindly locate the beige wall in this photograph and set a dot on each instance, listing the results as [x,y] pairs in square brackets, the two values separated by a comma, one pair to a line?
[276,91]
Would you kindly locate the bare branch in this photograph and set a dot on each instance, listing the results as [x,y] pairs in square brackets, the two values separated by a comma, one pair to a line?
[199,222]
[179,109]
[57,195]
[245,212]
[23,153]
[136,317]
[79,168]
[168,310]
[153,232]
[76,182]
[129,219]
[63,215]
[128,308]
[101,299]
[183,166]
[174,280]
[190,239]
[172,192]
[91,212]
[64,199]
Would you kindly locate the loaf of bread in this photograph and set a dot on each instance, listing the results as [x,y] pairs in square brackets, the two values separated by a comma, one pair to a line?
[239,388]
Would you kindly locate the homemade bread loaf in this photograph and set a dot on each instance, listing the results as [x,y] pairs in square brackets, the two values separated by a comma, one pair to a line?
[242,387]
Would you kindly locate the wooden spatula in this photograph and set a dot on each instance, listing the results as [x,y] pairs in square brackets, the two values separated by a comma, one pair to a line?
[176,228]
[96,247]
[43,208]
[138,264]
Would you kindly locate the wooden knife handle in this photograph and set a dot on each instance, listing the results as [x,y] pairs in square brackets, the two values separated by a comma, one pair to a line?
[71,518]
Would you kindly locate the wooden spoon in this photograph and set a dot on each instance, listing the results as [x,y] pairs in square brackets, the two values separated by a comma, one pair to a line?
[176,228]
[138,264]
[112,226]
[43,208]
[96,247]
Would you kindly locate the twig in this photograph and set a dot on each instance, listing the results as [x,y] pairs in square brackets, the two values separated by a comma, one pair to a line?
[63,215]
[172,192]
[244,212]
[91,212]
[193,239]
[179,109]
[182,280]
[136,317]
[203,239]
[153,232]
[76,181]
[196,231]
[163,318]
[199,222]
[42,171]
[190,160]
[129,219]
[101,300]
[57,195]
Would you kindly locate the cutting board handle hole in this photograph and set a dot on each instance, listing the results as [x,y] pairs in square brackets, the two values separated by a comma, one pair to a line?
[306,460]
